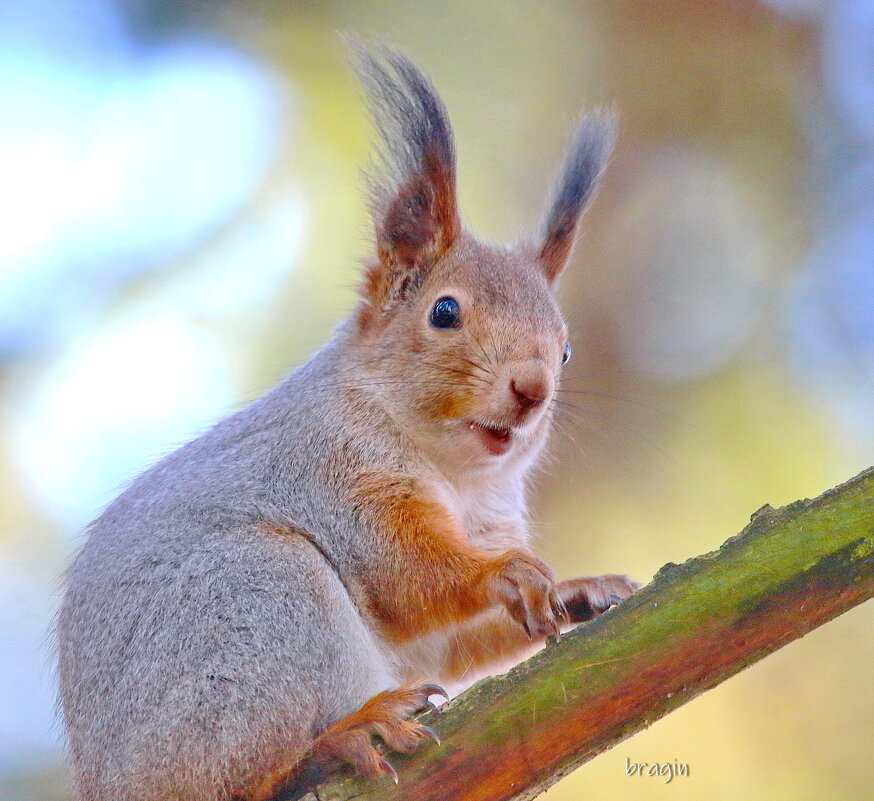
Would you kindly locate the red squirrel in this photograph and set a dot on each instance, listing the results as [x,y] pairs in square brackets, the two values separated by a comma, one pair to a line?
[298,579]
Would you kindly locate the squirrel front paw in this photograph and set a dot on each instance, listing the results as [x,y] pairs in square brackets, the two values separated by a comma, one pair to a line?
[585,598]
[526,587]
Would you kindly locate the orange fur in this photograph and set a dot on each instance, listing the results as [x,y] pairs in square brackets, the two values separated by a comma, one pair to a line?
[430,574]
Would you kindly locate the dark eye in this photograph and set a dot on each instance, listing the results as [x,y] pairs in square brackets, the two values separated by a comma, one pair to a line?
[446,314]
[565,357]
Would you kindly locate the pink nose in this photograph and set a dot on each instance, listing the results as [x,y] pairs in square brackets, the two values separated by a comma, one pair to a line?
[530,388]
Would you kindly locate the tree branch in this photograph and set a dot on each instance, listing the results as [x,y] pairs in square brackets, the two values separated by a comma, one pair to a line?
[694,626]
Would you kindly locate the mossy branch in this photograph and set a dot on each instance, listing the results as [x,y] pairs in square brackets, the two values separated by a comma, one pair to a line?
[694,626]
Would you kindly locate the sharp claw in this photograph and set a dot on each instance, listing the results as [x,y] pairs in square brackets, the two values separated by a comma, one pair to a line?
[428,707]
[527,628]
[553,636]
[387,768]
[435,689]
[557,605]
[429,732]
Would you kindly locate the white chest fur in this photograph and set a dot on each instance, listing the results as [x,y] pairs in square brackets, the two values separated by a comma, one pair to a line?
[491,512]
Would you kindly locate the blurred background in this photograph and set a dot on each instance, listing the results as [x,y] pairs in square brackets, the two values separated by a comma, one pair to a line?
[181,220]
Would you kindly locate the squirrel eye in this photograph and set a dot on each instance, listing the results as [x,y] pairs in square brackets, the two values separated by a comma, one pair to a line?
[446,313]
[565,357]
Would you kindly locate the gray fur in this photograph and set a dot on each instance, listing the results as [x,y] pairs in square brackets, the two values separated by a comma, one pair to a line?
[408,115]
[193,649]
[588,151]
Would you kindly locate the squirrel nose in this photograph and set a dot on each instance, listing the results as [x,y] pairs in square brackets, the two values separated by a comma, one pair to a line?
[529,388]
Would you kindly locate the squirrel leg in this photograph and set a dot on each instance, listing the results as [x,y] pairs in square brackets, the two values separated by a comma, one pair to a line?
[349,741]
[436,576]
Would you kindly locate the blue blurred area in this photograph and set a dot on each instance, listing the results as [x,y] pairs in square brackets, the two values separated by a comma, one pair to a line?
[830,325]
[829,304]
[116,159]
[27,730]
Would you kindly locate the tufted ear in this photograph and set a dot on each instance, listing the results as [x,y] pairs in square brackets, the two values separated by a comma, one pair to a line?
[412,191]
[588,151]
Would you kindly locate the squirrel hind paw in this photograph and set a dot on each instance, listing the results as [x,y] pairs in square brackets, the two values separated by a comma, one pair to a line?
[386,715]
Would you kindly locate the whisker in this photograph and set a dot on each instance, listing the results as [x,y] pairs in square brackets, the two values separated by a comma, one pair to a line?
[613,396]
[494,344]
[604,434]
[450,369]
[483,351]
[474,364]
[632,435]
[376,383]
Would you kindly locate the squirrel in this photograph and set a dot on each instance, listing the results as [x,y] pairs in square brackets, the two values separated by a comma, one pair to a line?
[302,577]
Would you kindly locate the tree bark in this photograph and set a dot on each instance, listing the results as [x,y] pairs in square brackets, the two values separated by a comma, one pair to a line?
[695,625]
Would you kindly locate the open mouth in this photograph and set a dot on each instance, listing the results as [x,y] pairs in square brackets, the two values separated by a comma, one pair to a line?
[497,440]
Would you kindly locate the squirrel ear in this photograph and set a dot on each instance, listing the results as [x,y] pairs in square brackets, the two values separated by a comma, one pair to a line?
[412,192]
[588,151]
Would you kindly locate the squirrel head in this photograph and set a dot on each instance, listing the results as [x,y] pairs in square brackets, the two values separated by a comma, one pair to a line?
[461,341]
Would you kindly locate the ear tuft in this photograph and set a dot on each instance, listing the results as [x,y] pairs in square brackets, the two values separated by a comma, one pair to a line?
[588,151]
[412,191]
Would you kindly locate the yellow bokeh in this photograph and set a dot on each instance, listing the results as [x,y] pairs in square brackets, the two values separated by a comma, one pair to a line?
[701,390]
